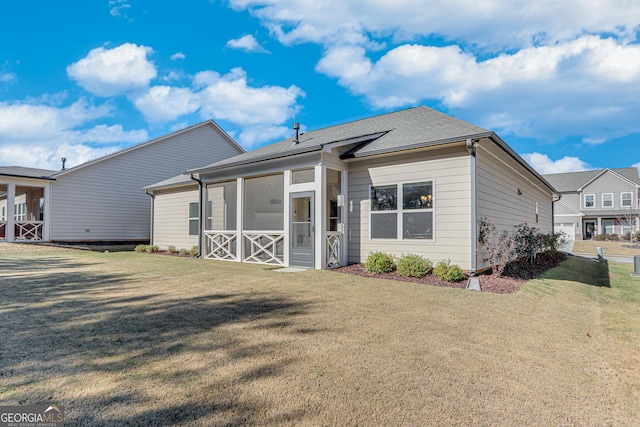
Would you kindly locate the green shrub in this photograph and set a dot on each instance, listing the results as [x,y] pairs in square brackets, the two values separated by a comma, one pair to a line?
[172,249]
[146,248]
[379,262]
[184,251]
[448,272]
[413,266]
[194,250]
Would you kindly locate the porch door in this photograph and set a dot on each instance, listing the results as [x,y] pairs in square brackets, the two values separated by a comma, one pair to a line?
[301,248]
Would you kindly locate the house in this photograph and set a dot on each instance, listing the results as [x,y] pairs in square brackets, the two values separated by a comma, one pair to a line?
[603,201]
[412,181]
[102,200]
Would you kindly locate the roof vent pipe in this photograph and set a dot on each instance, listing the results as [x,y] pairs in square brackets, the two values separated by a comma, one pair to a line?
[296,127]
[64,161]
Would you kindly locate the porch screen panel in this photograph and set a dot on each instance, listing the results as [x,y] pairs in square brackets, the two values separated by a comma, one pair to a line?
[334,212]
[264,203]
[222,205]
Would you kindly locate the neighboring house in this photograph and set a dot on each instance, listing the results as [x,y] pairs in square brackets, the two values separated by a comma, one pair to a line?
[102,200]
[413,181]
[596,202]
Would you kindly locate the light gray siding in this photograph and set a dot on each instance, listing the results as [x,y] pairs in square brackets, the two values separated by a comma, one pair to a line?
[105,200]
[607,183]
[508,193]
[171,217]
[449,169]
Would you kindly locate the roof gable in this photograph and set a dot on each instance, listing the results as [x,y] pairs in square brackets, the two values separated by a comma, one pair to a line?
[576,181]
[210,123]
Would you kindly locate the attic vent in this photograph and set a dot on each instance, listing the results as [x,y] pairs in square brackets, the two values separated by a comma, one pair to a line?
[296,128]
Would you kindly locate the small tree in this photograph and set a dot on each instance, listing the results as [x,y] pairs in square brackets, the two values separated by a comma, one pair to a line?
[629,216]
[501,248]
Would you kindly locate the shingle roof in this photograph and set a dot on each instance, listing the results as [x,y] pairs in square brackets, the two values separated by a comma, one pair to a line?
[23,172]
[573,181]
[174,181]
[400,130]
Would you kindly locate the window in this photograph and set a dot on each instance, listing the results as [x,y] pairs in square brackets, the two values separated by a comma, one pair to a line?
[607,227]
[626,200]
[589,200]
[384,212]
[263,203]
[302,176]
[413,212]
[193,218]
[21,212]
[607,200]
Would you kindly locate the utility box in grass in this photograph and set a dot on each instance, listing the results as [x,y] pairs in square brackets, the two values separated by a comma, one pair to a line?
[636,266]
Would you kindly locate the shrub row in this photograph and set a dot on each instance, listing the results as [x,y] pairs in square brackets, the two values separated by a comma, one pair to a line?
[411,265]
[171,249]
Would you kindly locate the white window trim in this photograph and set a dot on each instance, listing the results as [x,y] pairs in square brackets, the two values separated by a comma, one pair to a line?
[584,203]
[399,211]
[612,204]
[196,218]
[622,205]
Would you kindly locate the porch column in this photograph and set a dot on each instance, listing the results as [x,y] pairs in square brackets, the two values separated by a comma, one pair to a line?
[11,212]
[344,225]
[287,217]
[320,218]
[239,218]
[599,226]
[46,227]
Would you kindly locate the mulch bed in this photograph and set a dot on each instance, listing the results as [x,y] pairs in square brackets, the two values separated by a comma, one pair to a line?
[515,275]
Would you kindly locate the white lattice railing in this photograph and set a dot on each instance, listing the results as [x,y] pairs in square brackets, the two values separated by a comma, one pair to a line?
[221,245]
[264,247]
[29,230]
[334,249]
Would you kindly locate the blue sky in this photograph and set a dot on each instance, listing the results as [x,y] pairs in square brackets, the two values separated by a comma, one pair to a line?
[557,79]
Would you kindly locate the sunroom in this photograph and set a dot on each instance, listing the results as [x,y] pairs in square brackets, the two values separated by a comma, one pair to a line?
[279,215]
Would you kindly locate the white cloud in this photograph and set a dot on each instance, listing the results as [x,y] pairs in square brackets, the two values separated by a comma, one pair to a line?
[229,97]
[257,112]
[248,43]
[110,72]
[178,55]
[490,24]
[544,165]
[37,135]
[165,103]
[543,92]
[118,7]
[8,77]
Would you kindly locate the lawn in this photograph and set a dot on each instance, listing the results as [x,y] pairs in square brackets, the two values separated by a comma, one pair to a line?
[609,248]
[139,339]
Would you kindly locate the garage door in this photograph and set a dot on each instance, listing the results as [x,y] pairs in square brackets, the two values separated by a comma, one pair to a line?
[568,228]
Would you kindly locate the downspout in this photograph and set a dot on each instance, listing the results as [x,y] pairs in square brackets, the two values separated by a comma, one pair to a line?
[471,148]
[153,207]
[200,194]
[553,214]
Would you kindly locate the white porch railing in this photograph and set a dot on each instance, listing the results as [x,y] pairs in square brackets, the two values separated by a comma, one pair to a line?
[334,249]
[264,247]
[29,230]
[220,245]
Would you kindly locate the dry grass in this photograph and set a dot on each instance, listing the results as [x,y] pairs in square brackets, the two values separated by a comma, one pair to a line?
[125,338]
[609,248]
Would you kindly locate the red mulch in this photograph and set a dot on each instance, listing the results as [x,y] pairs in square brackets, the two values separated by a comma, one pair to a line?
[515,275]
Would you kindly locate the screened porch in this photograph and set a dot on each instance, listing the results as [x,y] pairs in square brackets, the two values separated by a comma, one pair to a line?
[275,219]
